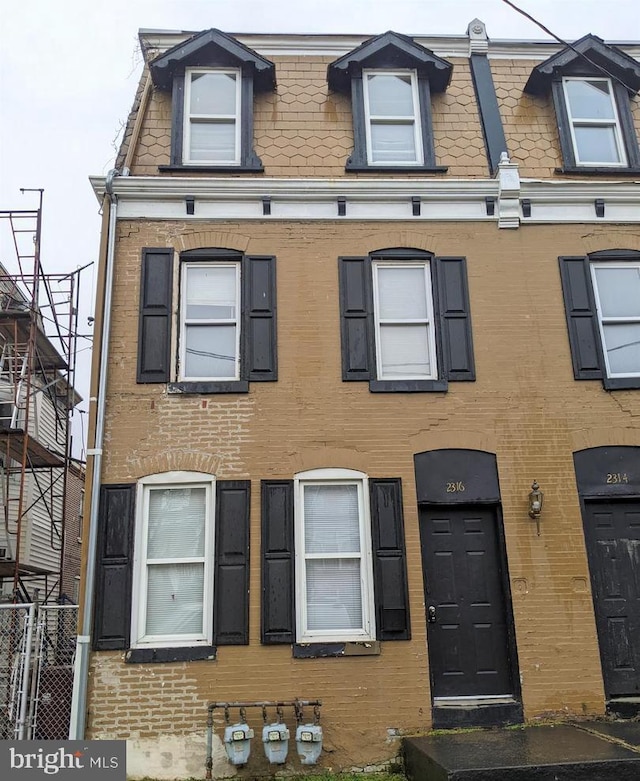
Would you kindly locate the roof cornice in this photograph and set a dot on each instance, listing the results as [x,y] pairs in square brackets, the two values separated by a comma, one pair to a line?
[326,45]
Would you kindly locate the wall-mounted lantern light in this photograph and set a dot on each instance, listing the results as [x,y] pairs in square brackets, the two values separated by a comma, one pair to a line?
[536,498]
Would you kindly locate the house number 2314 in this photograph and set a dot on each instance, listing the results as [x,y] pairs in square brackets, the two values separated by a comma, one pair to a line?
[454,488]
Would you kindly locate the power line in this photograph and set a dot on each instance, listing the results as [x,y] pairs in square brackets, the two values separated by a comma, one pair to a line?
[596,65]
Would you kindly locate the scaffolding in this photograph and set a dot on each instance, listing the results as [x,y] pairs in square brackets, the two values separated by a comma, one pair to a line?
[38,346]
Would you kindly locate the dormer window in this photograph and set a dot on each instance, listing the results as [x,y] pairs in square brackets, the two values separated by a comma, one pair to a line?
[593,122]
[212,78]
[212,117]
[392,111]
[592,85]
[390,79]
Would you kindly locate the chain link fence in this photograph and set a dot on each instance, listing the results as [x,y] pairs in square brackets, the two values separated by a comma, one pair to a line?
[37,644]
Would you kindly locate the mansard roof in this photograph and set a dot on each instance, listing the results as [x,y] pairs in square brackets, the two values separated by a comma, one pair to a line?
[390,50]
[588,55]
[212,48]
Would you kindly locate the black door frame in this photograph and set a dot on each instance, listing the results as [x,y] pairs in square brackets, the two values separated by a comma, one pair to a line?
[606,474]
[437,473]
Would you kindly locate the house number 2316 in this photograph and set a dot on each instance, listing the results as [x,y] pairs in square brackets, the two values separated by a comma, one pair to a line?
[454,488]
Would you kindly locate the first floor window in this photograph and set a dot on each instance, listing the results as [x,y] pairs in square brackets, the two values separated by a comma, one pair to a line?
[210,314]
[174,561]
[333,556]
[617,294]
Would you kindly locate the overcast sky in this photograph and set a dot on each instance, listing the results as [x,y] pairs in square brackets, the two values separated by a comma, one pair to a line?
[69,70]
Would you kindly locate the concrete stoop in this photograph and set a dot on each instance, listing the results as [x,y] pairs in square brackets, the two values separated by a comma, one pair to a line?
[590,751]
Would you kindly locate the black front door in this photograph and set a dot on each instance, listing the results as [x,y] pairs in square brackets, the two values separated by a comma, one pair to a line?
[612,533]
[465,601]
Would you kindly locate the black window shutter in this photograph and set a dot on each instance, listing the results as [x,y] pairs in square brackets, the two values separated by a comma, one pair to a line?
[259,303]
[154,327]
[278,613]
[389,560]
[455,319]
[231,578]
[114,561]
[582,321]
[356,328]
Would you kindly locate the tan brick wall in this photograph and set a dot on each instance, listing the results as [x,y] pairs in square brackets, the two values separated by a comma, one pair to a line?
[525,406]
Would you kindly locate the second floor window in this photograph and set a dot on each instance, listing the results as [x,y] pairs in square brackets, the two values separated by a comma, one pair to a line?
[403,308]
[617,292]
[210,320]
[393,124]
[602,304]
[594,123]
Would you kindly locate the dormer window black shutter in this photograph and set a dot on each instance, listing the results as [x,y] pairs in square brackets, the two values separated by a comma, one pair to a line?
[154,328]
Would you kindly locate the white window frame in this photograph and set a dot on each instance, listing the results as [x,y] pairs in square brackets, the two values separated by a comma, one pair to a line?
[613,123]
[211,118]
[185,321]
[376,265]
[169,480]
[370,119]
[334,477]
[602,321]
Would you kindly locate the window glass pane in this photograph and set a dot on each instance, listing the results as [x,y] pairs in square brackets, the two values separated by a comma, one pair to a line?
[212,141]
[390,96]
[176,523]
[393,143]
[174,599]
[590,99]
[211,293]
[334,598]
[402,294]
[619,291]
[210,351]
[213,93]
[404,351]
[331,519]
[622,343]
[597,145]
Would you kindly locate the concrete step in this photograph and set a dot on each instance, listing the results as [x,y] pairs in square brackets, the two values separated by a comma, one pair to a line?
[593,751]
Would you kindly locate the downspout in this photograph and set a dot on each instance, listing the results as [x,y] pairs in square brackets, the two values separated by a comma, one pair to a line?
[83,644]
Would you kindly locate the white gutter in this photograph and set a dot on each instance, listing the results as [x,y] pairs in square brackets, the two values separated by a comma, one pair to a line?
[83,643]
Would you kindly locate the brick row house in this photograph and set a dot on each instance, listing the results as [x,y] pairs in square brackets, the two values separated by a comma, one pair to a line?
[368,391]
